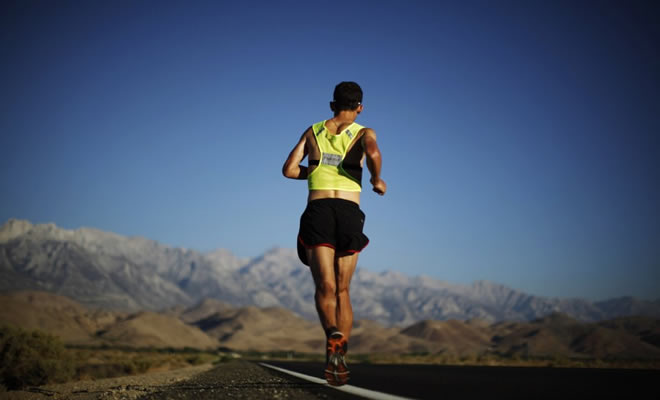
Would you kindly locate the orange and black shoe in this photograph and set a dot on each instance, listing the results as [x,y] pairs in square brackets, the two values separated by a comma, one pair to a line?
[336,370]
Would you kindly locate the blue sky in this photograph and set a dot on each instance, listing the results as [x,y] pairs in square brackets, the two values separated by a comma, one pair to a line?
[520,139]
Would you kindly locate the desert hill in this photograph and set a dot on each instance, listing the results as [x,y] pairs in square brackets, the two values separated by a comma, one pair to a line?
[560,335]
[371,337]
[78,325]
[212,324]
[647,329]
[150,329]
[268,329]
[453,336]
[58,315]
[204,309]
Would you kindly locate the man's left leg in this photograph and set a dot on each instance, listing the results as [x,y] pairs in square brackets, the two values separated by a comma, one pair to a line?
[336,372]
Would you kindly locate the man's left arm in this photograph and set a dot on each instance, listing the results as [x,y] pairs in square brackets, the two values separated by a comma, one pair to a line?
[374,160]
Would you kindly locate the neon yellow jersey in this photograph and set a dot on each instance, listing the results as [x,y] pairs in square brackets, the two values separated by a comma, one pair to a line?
[331,172]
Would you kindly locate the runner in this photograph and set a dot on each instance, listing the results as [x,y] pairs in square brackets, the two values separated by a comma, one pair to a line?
[330,236]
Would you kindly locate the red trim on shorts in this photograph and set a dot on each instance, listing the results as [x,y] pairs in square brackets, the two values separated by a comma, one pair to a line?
[357,251]
[316,245]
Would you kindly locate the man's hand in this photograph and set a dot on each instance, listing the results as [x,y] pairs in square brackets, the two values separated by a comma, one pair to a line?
[379,185]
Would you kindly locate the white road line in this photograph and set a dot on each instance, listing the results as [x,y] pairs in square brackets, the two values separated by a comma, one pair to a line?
[358,391]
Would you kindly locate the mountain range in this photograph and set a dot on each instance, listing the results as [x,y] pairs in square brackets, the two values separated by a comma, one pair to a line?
[106,271]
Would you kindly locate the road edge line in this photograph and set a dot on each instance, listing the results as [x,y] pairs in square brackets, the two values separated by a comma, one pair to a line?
[358,391]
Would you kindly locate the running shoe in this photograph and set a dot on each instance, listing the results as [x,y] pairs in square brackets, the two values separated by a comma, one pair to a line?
[336,370]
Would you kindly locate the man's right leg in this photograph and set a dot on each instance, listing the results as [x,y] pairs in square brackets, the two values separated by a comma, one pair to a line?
[344,269]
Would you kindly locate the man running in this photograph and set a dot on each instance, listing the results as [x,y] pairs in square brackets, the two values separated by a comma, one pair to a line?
[330,235]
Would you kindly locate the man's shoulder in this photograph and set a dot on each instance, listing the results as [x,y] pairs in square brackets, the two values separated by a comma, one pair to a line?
[313,127]
[366,131]
[361,128]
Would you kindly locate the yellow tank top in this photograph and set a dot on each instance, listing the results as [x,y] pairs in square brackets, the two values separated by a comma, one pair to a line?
[331,174]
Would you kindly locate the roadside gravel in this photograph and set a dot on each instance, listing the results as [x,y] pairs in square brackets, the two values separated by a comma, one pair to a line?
[125,387]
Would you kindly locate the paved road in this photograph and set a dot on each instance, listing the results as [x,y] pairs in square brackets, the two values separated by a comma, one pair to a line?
[242,380]
[249,380]
[454,382]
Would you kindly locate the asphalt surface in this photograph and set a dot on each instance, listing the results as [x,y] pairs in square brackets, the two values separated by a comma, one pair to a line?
[465,382]
[244,380]
[241,379]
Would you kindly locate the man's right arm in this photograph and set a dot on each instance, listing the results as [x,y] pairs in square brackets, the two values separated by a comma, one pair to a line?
[374,160]
[292,168]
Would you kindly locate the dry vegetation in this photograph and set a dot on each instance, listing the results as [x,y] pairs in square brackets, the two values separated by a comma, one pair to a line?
[32,358]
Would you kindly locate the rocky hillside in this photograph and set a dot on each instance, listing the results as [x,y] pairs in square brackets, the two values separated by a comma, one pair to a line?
[109,271]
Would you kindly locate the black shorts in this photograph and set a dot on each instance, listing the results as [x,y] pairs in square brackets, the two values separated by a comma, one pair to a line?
[334,223]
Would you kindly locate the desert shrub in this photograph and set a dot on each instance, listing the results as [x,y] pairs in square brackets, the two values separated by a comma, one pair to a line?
[112,369]
[200,358]
[32,358]
[141,365]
